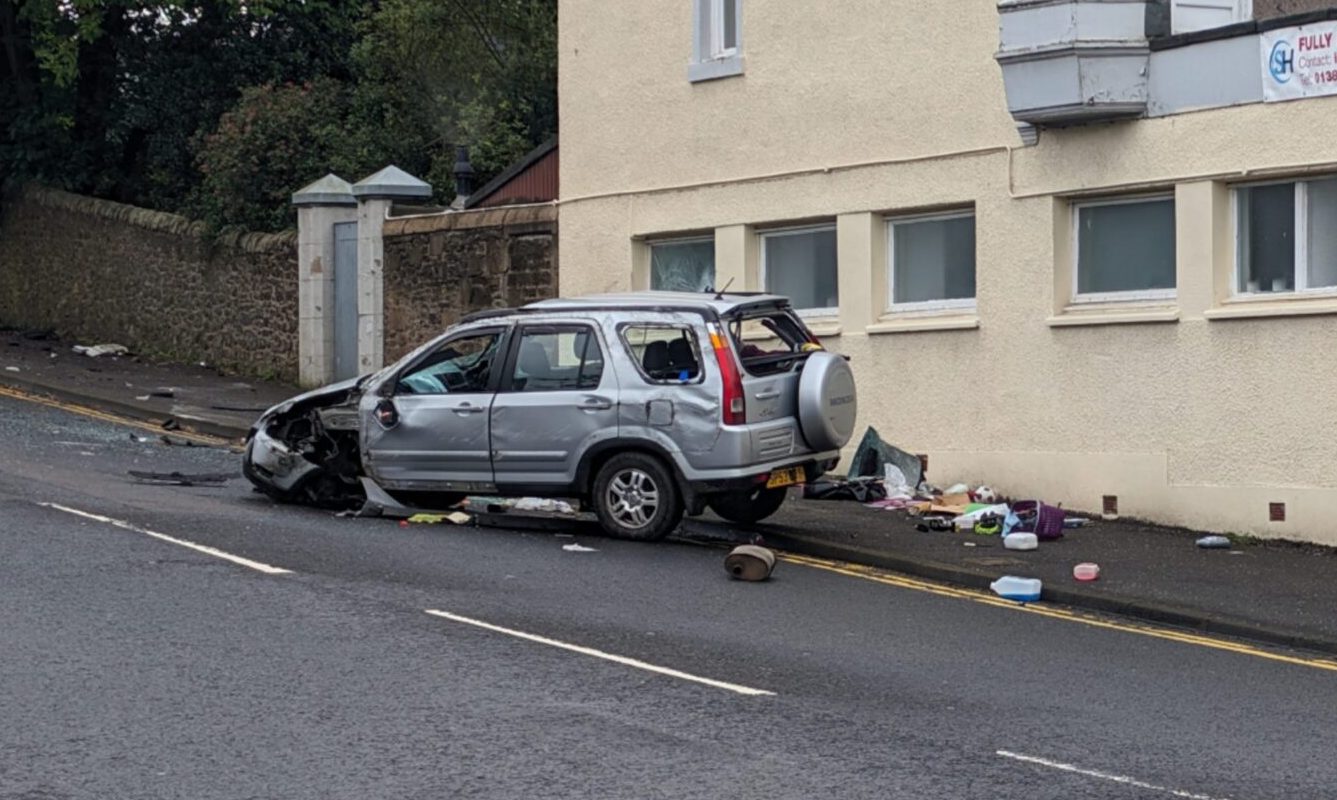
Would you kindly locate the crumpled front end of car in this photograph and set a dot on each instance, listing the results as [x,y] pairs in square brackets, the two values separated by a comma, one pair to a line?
[306,450]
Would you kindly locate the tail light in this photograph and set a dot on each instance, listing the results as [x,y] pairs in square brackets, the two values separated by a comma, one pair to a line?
[735,405]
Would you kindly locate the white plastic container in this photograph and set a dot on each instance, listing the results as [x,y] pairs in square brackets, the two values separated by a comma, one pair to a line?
[1020,541]
[1023,590]
[1086,571]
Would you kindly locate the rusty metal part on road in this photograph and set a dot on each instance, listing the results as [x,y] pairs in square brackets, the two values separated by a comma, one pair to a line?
[749,562]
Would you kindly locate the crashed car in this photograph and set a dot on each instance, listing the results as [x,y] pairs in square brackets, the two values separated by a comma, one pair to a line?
[641,406]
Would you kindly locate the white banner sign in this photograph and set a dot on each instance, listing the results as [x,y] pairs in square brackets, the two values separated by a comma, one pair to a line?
[1299,62]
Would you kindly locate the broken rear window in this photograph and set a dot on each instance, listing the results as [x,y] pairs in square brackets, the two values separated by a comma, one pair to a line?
[770,342]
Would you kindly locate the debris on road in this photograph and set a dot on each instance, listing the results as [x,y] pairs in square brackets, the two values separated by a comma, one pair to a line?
[1045,521]
[500,505]
[170,424]
[1214,543]
[12,369]
[1023,590]
[864,490]
[749,562]
[575,547]
[453,517]
[1086,571]
[1020,541]
[183,478]
[873,453]
[99,350]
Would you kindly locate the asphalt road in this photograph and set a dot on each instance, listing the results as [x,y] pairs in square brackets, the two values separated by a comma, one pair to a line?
[132,666]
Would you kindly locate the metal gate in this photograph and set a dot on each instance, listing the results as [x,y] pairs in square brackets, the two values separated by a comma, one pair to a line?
[345,300]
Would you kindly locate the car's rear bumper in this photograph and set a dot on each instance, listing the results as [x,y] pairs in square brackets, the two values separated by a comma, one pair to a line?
[744,478]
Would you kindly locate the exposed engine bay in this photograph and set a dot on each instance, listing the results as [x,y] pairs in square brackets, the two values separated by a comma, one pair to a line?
[323,431]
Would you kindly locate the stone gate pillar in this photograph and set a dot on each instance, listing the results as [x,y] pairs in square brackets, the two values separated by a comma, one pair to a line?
[320,206]
[375,194]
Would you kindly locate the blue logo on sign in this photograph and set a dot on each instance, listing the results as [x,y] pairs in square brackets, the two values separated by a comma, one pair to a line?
[1281,64]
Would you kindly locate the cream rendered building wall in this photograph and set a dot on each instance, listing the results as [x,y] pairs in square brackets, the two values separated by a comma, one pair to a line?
[1200,413]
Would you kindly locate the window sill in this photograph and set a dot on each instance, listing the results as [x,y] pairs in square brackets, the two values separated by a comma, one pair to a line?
[1074,316]
[905,323]
[699,71]
[823,328]
[1293,306]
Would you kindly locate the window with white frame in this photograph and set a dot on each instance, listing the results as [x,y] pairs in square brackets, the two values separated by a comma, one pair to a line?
[683,265]
[800,263]
[718,40]
[1124,249]
[1197,15]
[1286,237]
[931,262]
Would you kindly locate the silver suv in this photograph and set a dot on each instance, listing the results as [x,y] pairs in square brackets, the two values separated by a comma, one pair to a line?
[643,406]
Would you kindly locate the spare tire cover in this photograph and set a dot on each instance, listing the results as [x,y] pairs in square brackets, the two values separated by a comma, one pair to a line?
[827,402]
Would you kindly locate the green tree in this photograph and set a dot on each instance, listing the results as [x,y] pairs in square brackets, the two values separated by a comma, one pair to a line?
[107,96]
[223,107]
[465,72]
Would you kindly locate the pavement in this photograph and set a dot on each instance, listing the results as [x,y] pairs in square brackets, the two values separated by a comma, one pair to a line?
[1275,592]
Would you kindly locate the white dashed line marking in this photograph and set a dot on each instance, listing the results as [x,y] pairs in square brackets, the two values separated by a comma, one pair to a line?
[209,551]
[1106,776]
[590,651]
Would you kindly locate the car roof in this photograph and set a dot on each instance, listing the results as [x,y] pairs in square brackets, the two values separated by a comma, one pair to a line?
[720,303]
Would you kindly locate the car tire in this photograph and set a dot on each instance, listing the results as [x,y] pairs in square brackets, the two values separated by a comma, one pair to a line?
[636,498]
[748,506]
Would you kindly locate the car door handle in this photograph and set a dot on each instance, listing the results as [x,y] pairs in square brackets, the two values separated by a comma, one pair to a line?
[468,408]
[771,395]
[596,404]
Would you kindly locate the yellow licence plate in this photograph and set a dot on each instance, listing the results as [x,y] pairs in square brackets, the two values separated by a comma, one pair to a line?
[785,477]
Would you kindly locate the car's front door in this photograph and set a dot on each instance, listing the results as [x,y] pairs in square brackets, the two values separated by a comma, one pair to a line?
[429,431]
[554,402]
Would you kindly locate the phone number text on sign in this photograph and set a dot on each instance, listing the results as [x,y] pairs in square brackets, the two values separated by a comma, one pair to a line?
[1299,62]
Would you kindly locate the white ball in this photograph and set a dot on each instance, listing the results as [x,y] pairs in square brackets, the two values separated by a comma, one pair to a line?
[985,495]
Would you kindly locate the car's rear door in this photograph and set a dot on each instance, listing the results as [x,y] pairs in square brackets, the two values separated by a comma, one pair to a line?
[430,431]
[555,401]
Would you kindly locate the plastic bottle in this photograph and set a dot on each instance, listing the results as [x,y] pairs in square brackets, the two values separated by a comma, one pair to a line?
[1214,542]
[1086,571]
[1024,590]
[1021,541]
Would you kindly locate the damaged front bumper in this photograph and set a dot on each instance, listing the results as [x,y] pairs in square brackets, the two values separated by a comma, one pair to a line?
[271,465]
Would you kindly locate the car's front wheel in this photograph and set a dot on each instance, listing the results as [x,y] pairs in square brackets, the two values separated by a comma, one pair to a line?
[749,506]
[635,497]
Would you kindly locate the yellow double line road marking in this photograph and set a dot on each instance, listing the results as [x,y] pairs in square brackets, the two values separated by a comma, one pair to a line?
[1054,612]
[93,413]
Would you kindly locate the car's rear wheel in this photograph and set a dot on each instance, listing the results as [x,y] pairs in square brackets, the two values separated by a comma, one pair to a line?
[635,497]
[748,506]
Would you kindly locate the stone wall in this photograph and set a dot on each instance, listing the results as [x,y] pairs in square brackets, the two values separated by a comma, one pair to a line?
[97,271]
[441,266]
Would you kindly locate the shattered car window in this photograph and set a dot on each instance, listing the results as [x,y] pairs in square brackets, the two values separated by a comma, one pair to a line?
[664,353]
[461,365]
[770,342]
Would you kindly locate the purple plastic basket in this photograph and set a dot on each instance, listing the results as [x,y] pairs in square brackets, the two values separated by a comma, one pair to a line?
[1046,522]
